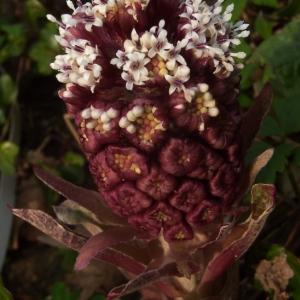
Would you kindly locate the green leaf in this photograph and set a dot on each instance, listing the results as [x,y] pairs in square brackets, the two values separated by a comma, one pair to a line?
[75,159]
[60,292]
[34,10]
[271,3]
[69,258]
[74,174]
[277,163]
[15,40]
[44,51]
[296,156]
[290,10]
[2,116]
[8,152]
[239,5]
[4,293]
[287,112]
[281,52]
[246,73]
[245,101]
[270,127]
[8,90]
[263,27]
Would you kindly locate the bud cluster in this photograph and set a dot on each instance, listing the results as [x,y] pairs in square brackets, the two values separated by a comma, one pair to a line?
[153,86]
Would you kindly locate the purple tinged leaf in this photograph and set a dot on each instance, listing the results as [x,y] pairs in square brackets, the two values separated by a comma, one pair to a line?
[149,277]
[105,239]
[251,172]
[90,200]
[71,213]
[180,253]
[237,242]
[252,120]
[75,241]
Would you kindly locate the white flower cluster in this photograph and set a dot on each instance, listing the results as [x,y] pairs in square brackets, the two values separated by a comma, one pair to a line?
[210,34]
[93,14]
[77,65]
[140,50]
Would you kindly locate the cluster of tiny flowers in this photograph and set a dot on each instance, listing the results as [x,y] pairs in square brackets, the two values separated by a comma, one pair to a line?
[153,87]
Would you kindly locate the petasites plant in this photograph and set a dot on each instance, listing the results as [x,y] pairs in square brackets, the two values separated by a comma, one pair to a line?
[153,87]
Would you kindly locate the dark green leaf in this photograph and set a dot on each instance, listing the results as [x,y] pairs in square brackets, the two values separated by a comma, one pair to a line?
[287,112]
[15,40]
[75,159]
[246,73]
[34,10]
[296,157]
[290,10]
[44,51]
[245,101]
[276,164]
[4,293]
[263,27]
[281,52]
[239,5]
[74,174]
[271,3]
[2,117]
[270,127]
[69,258]
[8,152]
[8,90]
[60,292]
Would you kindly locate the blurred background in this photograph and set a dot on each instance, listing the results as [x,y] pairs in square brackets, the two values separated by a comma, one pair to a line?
[35,130]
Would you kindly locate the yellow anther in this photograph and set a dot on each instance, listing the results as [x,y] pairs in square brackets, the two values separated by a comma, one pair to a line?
[150,117]
[148,108]
[155,70]
[137,170]
[147,136]
[159,57]
[153,123]
[179,235]
[203,110]
[116,161]
[162,65]
[139,121]
[163,72]
[199,106]
[82,124]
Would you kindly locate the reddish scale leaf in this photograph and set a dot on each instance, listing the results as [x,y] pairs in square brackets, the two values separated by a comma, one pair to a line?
[252,120]
[75,241]
[104,239]
[149,277]
[88,199]
[237,242]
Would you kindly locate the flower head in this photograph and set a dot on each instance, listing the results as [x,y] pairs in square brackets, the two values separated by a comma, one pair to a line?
[154,95]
